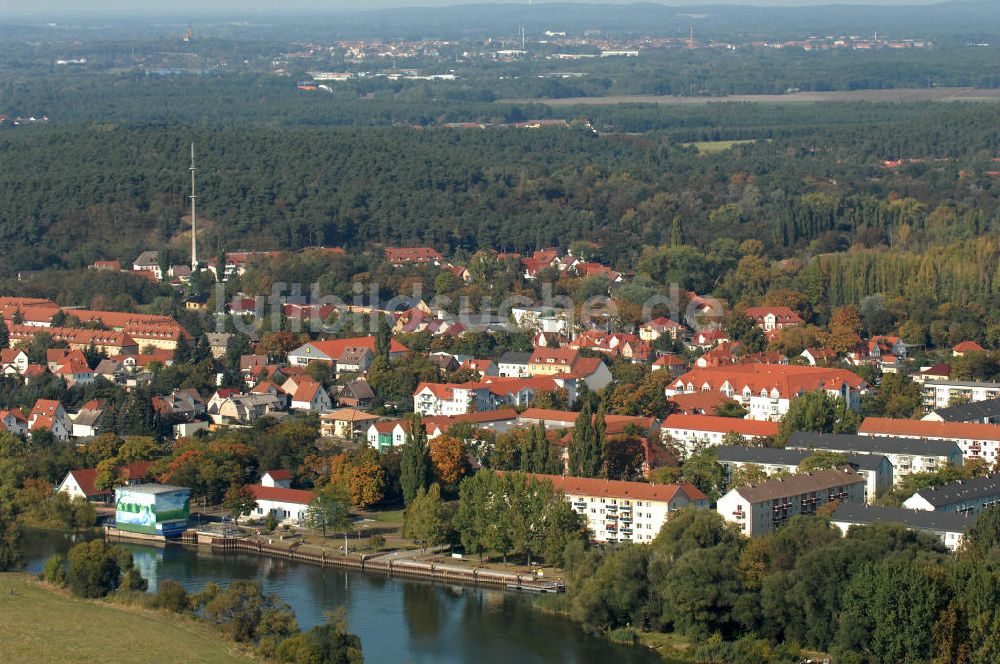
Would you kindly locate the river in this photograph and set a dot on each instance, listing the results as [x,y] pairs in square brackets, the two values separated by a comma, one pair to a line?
[398,620]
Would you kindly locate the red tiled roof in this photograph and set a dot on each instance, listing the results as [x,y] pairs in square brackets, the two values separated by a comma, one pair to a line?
[279,474]
[705,402]
[335,347]
[787,379]
[928,429]
[86,477]
[280,495]
[716,424]
[412,255]
[968,347]
[782,315]
[620,489]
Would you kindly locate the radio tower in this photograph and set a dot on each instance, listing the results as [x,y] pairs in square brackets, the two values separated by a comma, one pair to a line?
[194,219]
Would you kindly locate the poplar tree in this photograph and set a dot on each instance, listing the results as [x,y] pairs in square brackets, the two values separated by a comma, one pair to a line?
[415,464]
[583,432]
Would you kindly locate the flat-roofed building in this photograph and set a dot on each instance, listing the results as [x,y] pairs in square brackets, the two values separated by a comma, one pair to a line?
[763,508]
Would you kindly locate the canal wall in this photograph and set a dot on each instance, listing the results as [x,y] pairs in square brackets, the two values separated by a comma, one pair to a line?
[389,564]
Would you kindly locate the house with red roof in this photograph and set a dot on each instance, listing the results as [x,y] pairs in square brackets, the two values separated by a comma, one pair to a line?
[332,350]
[674,364]
[659,327]
[82,482]
[693,432]
[966,347]
[310,395]
[386,435]
[819,357]
[617,511]
[766,390]
[403,256]
[13,361]
[288,505]
[14,421]
[774,318]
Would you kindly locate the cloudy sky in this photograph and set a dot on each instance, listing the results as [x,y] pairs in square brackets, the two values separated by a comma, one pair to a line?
[237,6]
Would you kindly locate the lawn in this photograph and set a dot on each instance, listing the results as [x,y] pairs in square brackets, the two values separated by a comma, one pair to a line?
[39,625]
[712,147]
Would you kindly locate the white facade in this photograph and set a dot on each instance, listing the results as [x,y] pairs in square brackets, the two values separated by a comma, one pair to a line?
[939,393]
[763,508]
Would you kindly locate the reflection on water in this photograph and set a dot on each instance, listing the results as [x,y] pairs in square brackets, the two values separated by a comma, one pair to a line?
[397,620]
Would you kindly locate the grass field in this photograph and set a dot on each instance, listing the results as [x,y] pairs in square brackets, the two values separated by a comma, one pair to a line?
[712,147]
[38,625]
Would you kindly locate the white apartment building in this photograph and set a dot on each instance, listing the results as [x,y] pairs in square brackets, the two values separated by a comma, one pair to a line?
[618,511]
[691,432]
[966,496]
[949,527]
[763,508]
[975,440]
[939,393]
[907,455]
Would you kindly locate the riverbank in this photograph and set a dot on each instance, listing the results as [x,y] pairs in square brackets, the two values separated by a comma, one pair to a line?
[39,625]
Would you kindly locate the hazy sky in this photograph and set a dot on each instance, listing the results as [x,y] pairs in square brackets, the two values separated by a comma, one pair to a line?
[237,6]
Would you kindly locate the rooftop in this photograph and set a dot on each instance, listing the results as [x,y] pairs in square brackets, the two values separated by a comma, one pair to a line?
[960,491]
[155,488]
[840,442]
[929,429]
[619,489]
[952,522]
[798,484]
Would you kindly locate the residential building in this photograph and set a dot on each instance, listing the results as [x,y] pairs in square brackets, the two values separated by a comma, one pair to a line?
[148,261]
[774,318]
[277,478]
[875,468]
[82,482]
[310,395]
[941,393]
[87,420]
[287,505]
[14,422]
[566,419]
[499,420]
[971,496]
[617,511]
[659,327]
[819,357]
[693,432]
[907,455]
[386,435]
[356,394]
[978,412]
[331,350]
[13,361]
[671,363]
[543,319]
[937,372]
[949,527]
[974,440]
[402,256]
[244,408]
[110,342]
[762,508]
[348,423]
[515,365]
[767,390]
[965,347]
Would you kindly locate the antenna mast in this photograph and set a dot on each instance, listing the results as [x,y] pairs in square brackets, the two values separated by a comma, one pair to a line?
[194,219]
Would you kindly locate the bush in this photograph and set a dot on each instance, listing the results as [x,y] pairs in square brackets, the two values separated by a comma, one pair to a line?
[96,569]
[172,596]
[270,522]
[376,542]
[55,571]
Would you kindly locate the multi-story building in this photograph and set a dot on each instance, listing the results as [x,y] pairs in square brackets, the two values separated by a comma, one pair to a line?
[949,527]
[875,468]
[332,350]
[691,432]
[763,508]
[907,455]
[767,390]
[774,318]
[979,412]
[969,496]
[618,511]
[941,393]
[975,440]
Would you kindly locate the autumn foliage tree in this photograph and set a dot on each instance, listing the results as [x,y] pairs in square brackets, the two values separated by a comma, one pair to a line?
[449,459]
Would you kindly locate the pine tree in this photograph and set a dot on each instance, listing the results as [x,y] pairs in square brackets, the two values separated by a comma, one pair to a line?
[4,334]
[583,433]
[676,233]
[182,353]
[18,317]
[383,339]
[415,465]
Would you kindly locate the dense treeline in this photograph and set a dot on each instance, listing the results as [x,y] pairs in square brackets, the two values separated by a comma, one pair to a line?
[880,594]
[504,189]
